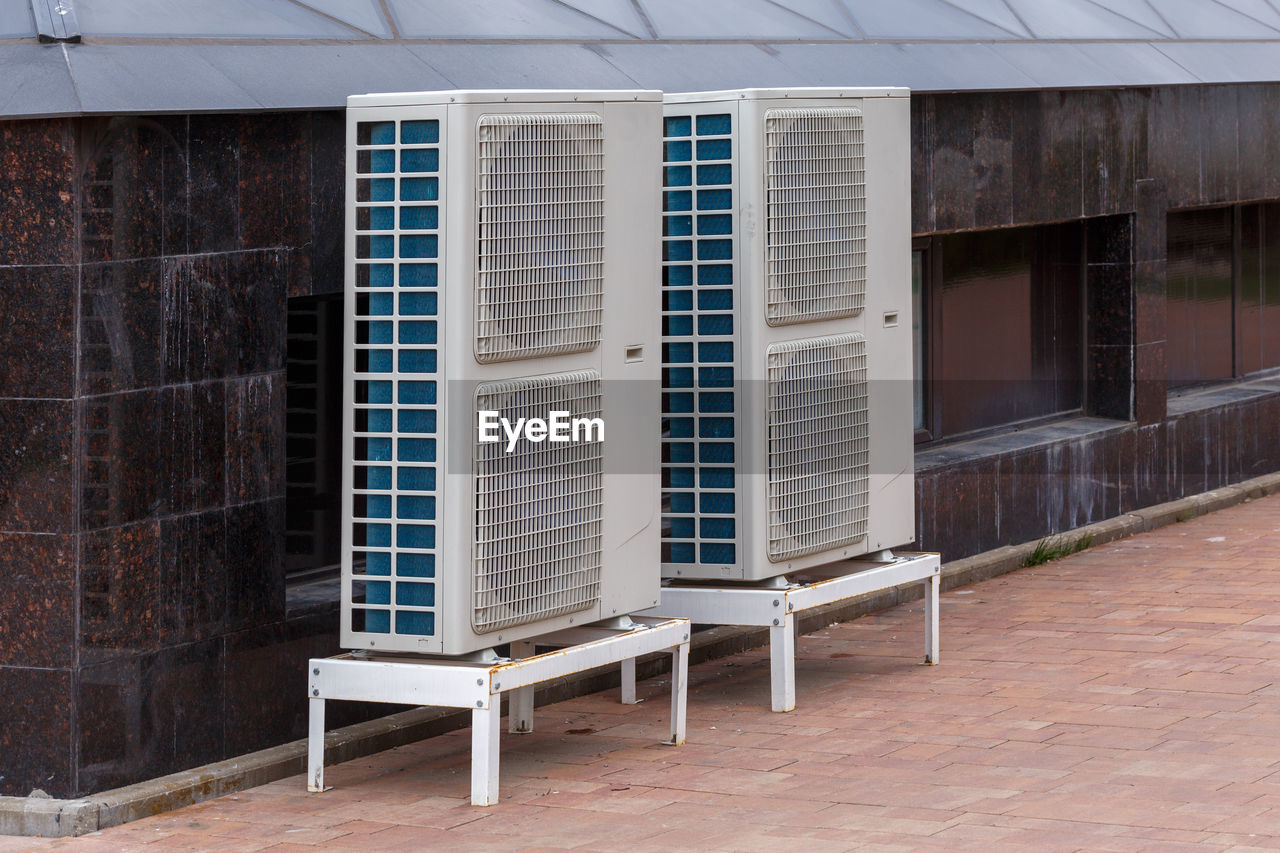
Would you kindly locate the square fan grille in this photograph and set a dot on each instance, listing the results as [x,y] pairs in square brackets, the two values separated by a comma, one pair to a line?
[540,224]
[816,210]
[538,508]
[818,444]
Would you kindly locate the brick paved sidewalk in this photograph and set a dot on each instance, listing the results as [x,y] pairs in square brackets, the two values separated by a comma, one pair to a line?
[1126,698]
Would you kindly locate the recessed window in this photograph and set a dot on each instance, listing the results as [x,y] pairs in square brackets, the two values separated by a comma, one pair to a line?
[313,443]
[1199,274]
[999,328]
[1223,308]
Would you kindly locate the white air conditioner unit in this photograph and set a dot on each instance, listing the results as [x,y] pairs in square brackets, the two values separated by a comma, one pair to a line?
[787,344]
[500,249]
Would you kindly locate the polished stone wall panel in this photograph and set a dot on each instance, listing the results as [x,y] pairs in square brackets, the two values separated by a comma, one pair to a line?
[274,179]
[199,319]
[119,592]
[146,715]
[258,284]
[37,707]
[123,476]
[214,160]
[122,187]
[37,466]
[37,305]
[255,427]
[37,615]
[121,328]
[328,209]
[255,564]
[37,203]
[192,450]
[193,577]
[1219,144]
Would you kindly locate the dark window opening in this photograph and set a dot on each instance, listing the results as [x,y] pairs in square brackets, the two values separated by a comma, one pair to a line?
[1259,318]
[1004,326]
[313,443]
[1199,300]
[1223,293]
[920,337]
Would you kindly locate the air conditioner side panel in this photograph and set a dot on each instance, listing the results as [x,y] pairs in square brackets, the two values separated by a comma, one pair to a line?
[892,511]
[631,358]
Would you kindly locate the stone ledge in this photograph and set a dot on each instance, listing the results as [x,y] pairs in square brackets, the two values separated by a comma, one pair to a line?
[53,817]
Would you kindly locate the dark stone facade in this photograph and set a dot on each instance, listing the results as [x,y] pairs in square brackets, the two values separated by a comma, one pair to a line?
[145,265]
[1127,157]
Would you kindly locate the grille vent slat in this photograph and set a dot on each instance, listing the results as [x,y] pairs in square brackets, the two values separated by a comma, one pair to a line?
[540,230]
[538,508]
[816,210]
[818,445]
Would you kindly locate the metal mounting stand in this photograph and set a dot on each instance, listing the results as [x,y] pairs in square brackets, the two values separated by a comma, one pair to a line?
[479,685]
[776,606]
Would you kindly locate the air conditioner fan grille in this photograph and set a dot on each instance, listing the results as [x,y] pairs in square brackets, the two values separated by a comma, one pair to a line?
[816,211]
[538,508]
[540,227]
[818,445]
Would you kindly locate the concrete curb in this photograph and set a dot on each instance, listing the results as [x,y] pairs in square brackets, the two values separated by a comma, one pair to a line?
[53,817]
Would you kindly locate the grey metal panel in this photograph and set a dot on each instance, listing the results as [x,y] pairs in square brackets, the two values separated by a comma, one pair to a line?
[522,66]
[1260,10]
[995,11]
[1138,64]
[731,19]
[829,13]
[16,20]
[922,19]
[622,14]
[1060,65]
[1227,63]
[150,78]
[496,19]
[35,81]
[321,76]
[1077,19]
[200,18]
[690,67]
[923,68]
[958,67]
[1201,19]
[1141,12]
[363,14]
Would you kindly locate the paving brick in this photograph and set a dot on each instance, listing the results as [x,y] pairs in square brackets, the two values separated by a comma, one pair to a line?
[1124,698]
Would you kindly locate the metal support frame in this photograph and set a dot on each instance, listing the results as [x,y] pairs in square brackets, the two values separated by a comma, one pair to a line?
[454,683]
[776,607]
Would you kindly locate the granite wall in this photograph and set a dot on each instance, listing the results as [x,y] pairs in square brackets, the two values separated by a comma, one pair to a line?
[1123,159]
[145,265]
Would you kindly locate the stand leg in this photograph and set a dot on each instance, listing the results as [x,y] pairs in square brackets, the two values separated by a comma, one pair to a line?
[931,589]
[520,711]
[485,730]
[520,707]
[315,746]
[782,663]
[629,681]
[679,691]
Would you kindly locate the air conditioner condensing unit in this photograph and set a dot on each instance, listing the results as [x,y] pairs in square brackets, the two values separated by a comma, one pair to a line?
[500,249]
[787,339]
